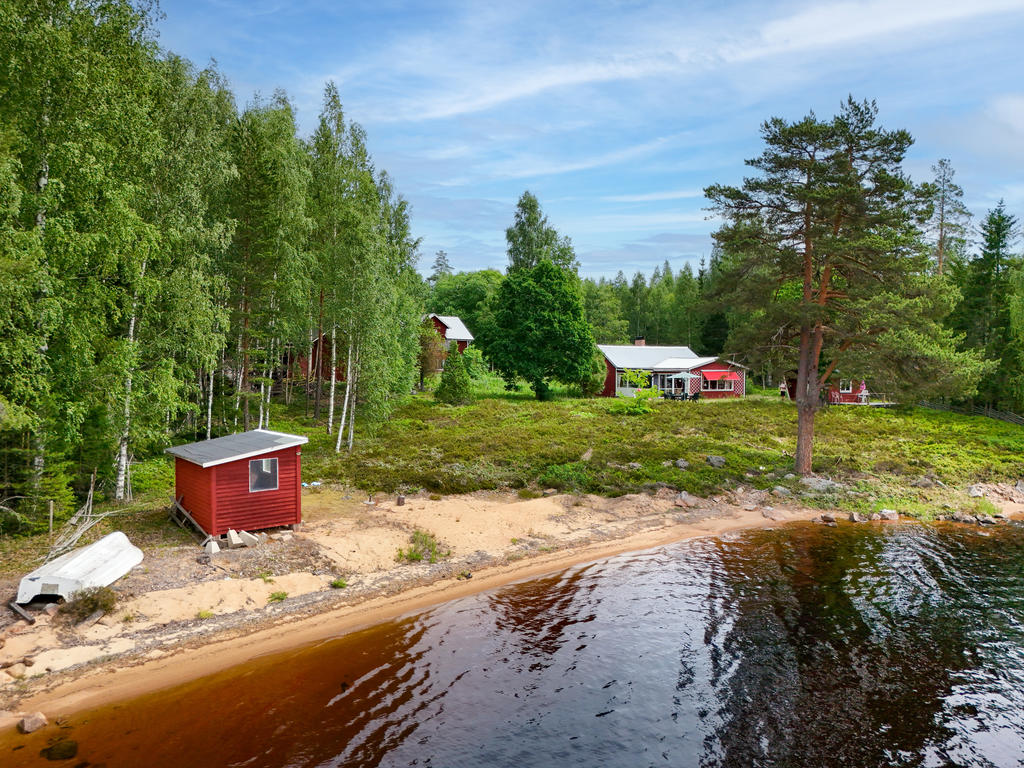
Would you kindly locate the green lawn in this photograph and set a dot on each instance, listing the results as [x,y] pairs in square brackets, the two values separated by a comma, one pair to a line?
[510,440]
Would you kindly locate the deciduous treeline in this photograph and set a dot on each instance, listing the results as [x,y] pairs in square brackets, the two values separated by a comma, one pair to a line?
[166,261]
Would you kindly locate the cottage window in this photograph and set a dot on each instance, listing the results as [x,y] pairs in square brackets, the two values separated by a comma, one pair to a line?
[716,385]
[623,382]
[846,386]
[262,475]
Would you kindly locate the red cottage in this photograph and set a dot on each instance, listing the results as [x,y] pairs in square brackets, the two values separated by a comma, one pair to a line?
[675,370]
[451,329]
[248,481]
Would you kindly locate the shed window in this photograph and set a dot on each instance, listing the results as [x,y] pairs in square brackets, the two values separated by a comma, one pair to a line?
[846,386]
[262,475]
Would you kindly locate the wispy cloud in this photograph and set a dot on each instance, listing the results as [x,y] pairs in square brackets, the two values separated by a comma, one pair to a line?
[650,197]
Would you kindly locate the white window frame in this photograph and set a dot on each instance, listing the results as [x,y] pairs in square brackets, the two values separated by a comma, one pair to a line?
[268,464]
[846,386]
[717,385]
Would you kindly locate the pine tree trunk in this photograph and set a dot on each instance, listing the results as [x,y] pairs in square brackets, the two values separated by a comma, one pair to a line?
[334,365]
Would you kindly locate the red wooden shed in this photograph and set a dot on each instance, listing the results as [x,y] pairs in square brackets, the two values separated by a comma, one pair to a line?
[247,481]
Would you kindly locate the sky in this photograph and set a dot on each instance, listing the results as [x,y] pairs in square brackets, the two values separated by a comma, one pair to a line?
[617,114]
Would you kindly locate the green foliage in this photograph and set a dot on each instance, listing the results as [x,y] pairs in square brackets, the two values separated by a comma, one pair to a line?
[541,331]
[455,386]
[422,546]
[277,597]
[593,384]
[532,240]
[338,583]
[85,602]
[474,361]
[831,210]
[643,399]
[204,614]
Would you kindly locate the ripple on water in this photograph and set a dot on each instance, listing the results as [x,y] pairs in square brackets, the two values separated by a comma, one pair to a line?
[801,646]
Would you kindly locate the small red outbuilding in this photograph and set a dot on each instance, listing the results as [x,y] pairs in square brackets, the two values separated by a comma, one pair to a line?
[247,481]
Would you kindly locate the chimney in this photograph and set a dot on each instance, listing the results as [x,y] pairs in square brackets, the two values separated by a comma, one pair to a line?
[639,341]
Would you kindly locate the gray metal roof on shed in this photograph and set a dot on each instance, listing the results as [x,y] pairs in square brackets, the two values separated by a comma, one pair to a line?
[243,445]
[457,330]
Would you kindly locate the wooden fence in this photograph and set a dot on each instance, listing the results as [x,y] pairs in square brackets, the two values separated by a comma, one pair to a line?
[976,410]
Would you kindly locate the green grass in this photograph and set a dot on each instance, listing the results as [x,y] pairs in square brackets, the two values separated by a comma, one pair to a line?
[509,440]
[422,546]
[277,597]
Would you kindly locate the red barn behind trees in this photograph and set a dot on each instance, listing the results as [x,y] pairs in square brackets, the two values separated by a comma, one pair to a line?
[247,481]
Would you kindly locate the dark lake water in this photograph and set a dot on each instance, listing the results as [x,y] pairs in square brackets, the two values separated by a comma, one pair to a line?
[861,646]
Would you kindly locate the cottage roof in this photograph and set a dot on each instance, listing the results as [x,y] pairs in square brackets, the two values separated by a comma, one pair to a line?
[243,445]
[643,357]
[457,330]
[682,364]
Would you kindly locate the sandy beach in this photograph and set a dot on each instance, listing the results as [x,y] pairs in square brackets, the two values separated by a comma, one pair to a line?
[180,619]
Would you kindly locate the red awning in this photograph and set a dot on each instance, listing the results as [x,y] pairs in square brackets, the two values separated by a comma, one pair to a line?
[716,375]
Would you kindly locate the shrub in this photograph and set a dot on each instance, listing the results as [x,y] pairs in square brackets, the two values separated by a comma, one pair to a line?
[474,360]
[277,597]
[204,614]
[455,385]
[85,602]
[339,583]
[422,546]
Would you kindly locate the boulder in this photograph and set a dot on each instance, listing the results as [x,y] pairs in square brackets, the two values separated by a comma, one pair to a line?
[963,517]
[550,491]
[32,722]
[789,476]
[211,547]
[1019,486]
[635,465]
[828,517]
[986,520]
[975,491]
[684,500]
[248,539]
[234,540]
[286,537]
[923,482]
[587,455]
[819,484]
[857,517]
[831,523]
[716,461]
[17,671]
[773,514]
[682,464]
[889,514]
[781,490]
[874,517]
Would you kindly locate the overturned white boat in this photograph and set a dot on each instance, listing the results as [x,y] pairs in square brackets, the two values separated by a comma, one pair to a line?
[99,564]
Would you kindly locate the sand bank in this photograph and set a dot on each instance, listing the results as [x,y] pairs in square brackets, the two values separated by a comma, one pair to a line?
[181,619]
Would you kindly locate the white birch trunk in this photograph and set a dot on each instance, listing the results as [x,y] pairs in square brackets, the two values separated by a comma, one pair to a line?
[334,364]
[352,415]
[344,402]
[209,408]
[121,480]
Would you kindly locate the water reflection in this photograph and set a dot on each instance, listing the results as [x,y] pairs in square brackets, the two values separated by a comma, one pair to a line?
[805,646]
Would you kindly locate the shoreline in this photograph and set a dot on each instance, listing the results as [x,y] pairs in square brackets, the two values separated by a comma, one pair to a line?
[127,677]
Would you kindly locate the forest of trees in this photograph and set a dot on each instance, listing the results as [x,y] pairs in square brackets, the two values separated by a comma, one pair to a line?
[168,261]
[166,257]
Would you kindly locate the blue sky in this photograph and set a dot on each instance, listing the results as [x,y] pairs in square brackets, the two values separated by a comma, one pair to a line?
[617,114]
